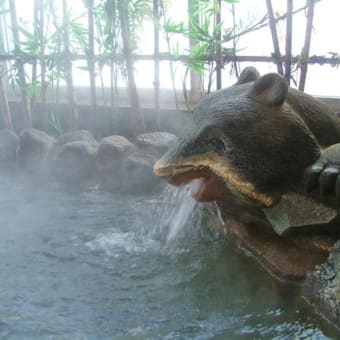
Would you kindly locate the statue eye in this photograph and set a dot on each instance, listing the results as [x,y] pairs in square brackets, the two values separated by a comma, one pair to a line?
[217,144]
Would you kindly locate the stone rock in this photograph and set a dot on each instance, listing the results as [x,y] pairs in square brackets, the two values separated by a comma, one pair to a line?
[74,136]
[8,145]
[75,162]
[139,177]
[69,137]
[33,149]
[111,151]
[322,287]
[123,167]
[156,143]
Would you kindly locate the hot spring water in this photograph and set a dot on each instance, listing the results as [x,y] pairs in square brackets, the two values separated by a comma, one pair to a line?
[78,264]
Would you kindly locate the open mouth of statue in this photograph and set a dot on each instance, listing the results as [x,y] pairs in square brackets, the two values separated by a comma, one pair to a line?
[205,185]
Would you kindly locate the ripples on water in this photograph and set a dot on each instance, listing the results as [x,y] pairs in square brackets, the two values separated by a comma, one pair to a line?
[89,264]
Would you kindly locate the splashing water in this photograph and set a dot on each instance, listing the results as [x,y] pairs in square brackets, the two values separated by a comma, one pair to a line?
[180,218]
[179,214]
[170,225]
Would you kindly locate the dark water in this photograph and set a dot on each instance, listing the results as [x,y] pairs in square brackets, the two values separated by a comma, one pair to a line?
[89,264]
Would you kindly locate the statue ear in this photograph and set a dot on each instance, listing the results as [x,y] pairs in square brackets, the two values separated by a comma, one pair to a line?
[271,89]
[248,75]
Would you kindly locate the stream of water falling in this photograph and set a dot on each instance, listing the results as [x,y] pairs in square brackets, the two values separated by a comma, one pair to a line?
[179,209]
[90,264]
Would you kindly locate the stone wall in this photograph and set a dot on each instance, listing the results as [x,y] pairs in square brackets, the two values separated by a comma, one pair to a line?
[114,162]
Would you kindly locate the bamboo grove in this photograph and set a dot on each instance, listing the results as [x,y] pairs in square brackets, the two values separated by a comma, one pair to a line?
[37,56]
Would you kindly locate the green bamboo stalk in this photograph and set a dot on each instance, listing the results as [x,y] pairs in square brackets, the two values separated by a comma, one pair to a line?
[90,60]
[276,45]
[138,124]
[171,65]
[44,84]
[236,66]
[21,71]
[72,107]
[36,38]
[305,50]
[156,61]
[5,111]
[55,84]
[4,107]
[289,35]
[219,61]
[195,78]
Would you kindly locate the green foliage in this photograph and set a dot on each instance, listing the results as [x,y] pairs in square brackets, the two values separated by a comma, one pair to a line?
[175,28]
[200,28]
[139,11]
[55,123]
[29,45]
[107,11]
[79,42]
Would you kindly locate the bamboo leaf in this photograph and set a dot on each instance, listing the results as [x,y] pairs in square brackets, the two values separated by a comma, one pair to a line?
[172,27]
[217,31]
[26,33]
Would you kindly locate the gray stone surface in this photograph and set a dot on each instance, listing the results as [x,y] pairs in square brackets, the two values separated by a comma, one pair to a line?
[74,136]
[115,163]
[322,287]
[138,168]
[33,149]
[8,145]
[111,151]
[75,162]
[123,166]
[155,142]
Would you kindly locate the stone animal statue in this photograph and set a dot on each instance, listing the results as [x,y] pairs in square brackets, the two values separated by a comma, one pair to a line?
[255,142]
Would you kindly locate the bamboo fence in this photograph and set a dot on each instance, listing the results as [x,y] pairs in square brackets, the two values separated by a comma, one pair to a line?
[284,62]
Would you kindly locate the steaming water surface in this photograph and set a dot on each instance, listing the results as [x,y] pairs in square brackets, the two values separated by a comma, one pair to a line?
[81,264]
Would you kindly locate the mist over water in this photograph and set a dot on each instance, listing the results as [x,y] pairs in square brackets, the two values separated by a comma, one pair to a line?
[85,263]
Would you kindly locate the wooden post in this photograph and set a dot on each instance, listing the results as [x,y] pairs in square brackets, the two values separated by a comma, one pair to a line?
[305,50]
[21,70]
[272,25]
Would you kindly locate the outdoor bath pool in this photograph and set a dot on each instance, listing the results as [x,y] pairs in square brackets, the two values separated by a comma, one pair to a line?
[91,264]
